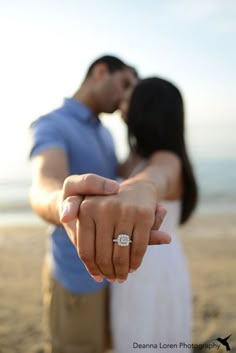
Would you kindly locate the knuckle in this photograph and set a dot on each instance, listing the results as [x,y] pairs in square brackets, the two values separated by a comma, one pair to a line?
[146,214]
[108,207]
[113,204]
[103,262]
[71,199]
[128,212]
[86,206]
[103,207]
[88,178]
[119,261]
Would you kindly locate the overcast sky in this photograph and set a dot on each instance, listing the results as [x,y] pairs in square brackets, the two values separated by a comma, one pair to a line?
[46,46]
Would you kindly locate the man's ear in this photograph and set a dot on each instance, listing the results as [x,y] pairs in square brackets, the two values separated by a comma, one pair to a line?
[99,71]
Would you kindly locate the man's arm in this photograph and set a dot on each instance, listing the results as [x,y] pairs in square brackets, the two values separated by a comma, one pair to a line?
[54,196]
[49,170]
[53,189]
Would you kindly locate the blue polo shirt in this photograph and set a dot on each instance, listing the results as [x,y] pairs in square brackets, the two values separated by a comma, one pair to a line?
[90,149]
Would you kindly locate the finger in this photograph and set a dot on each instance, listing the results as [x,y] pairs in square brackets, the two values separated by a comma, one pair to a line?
[104,248]
[70,208]
[139,245]
[89,184]
[157,237]
[70,229]
[159,216]
[121,254]
[86,242]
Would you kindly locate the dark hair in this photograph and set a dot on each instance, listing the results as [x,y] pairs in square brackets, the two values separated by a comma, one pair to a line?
[113,64]
[134,71]
[156,122]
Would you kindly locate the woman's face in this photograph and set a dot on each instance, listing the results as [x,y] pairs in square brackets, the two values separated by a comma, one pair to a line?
[124,105]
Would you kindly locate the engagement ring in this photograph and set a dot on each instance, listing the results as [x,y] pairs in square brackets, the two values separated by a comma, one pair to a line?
[122,240]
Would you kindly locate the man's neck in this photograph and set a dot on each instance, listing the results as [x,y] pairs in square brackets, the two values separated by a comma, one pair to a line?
[83,96]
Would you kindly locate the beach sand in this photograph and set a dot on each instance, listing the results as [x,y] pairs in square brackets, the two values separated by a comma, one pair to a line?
[210,245]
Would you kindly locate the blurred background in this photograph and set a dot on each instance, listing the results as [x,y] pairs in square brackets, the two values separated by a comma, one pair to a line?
[46,48]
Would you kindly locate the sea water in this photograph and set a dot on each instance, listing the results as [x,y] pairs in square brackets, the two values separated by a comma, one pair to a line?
[216,179]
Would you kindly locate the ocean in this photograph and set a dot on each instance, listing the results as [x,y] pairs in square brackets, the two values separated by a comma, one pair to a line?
[216,178]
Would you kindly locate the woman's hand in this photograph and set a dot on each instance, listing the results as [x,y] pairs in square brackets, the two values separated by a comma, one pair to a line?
[74,189]
[131,211]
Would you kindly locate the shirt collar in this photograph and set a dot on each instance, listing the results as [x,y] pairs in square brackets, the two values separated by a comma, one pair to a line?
[80,110]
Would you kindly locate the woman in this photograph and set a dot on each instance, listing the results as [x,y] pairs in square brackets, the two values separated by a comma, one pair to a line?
[153,307]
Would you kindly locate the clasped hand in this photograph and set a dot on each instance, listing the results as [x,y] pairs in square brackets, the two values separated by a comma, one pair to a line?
[92,222]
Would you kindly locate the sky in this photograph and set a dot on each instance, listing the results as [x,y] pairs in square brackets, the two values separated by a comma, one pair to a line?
[47,46]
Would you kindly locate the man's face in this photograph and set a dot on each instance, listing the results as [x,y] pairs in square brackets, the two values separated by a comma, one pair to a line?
[115,87]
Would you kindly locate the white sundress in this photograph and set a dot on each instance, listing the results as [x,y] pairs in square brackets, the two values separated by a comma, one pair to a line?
[153,308]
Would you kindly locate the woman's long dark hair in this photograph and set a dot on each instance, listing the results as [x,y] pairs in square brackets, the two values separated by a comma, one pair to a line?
[156,122]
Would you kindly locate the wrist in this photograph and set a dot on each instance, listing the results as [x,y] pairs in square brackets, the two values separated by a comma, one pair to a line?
[54,207]
[156,186]
[141,184]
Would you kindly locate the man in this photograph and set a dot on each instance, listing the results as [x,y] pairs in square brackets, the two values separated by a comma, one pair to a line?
[69,142]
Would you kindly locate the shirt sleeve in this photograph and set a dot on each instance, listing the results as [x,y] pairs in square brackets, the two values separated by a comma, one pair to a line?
[45,133]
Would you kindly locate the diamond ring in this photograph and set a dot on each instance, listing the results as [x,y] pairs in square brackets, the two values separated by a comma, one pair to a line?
[122,240]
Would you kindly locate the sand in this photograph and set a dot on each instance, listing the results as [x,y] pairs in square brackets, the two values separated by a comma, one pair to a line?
[210,244]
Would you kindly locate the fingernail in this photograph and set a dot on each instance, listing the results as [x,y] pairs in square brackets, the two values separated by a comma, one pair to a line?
[165,241]
[65,211]
[110,186]
[111,280]
[98,278]
[130,271]
[121,280]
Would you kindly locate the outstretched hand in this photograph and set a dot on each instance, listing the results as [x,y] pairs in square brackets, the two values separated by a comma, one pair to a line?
[75,188]
[100,218]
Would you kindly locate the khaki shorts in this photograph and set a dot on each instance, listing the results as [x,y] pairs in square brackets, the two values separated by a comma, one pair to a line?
[74,323]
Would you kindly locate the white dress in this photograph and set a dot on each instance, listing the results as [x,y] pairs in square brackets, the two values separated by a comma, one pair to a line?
[153,308]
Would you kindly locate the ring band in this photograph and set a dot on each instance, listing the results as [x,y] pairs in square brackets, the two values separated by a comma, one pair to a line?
[122,240]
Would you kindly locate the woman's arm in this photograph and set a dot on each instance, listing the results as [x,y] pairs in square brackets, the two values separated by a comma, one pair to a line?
[132,211]
[163,170]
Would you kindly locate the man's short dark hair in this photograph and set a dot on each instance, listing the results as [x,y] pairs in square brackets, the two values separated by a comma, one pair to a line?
[134,71]
[113,64]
